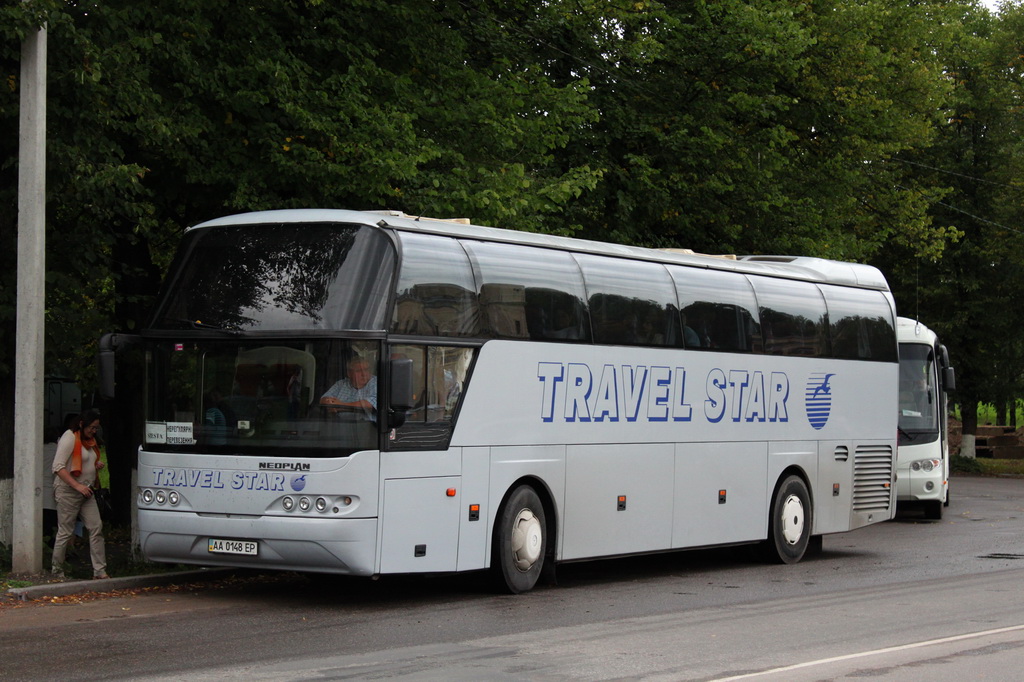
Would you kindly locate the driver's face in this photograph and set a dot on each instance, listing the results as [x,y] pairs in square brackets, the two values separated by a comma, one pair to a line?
[358,374]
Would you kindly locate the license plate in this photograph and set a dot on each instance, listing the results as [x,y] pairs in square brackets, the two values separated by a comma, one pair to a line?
[247,547]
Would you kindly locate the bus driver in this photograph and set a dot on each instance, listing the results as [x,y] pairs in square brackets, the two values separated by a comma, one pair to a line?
[357,391]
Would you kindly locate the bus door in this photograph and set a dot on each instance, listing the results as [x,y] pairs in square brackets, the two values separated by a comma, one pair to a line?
[422,479]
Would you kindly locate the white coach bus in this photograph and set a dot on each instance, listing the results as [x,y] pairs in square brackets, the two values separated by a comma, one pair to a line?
[922,469]
[503,400]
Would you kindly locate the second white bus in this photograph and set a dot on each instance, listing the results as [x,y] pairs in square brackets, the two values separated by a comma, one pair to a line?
[922,469]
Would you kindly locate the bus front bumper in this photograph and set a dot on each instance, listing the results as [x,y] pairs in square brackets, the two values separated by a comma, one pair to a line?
[920,486]
[343,546]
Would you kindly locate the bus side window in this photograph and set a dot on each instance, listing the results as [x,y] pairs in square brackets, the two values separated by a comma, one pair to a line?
[860,323]
[439,377]
[526,292]
[793,319]
[553,315]
[436,292]
[632,303]
[718,310]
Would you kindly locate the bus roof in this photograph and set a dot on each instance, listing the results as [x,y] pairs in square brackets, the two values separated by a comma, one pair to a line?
[912,331]
[792,267]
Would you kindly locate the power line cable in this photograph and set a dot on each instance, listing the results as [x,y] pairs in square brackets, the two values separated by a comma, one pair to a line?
[960,175]
[979,218]
[966,213]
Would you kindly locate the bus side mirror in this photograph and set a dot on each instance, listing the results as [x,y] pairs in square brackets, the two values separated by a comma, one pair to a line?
[105,360]
[948,379]
[400,390]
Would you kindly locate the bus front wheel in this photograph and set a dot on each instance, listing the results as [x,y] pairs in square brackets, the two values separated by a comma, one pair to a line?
[789,527]
[520,541]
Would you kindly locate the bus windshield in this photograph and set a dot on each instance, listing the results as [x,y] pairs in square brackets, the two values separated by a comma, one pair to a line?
[273,277]
[316,398]
[918,397]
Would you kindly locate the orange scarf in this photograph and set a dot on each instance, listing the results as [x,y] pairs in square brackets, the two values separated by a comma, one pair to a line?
[76,454]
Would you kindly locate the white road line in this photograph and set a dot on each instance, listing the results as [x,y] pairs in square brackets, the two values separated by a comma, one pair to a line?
[874,652]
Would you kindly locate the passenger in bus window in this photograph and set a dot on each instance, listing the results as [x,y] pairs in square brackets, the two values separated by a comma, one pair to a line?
[356,391]
[218,418]
[690,338]
[704,335]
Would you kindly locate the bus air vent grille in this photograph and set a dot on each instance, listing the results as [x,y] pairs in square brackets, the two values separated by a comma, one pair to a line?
[872,478]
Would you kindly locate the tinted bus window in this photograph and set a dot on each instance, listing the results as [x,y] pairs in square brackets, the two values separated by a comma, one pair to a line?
[860,323]
[631,303]
[436,293]
[530,293]
[224,396]
[792,317]
[919,395]
[439,377]
[281,277]
[718,310]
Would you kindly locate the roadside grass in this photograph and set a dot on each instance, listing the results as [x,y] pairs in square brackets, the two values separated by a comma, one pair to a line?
[1002,467]
[964,465]
[984,466]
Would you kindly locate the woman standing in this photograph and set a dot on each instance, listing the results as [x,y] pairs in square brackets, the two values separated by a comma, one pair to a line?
[75,467]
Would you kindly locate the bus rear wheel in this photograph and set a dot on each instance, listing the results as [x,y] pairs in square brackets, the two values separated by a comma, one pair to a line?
[520,541]
[789,527]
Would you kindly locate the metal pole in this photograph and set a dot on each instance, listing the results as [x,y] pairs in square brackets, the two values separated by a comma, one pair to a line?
[27,529]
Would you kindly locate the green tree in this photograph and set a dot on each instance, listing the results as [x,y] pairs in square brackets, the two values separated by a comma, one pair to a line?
[164,114]
[963,294]
[727,126]
[763,126]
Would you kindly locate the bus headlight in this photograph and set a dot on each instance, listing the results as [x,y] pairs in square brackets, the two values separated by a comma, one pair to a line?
[307,504]
[925,465]
[161,497]
[147,496]
[173,497]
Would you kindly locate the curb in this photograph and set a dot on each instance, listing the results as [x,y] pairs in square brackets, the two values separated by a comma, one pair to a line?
[84,586]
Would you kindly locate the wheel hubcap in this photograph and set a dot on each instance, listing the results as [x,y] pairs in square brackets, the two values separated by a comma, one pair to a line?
[527,540]
[792,520]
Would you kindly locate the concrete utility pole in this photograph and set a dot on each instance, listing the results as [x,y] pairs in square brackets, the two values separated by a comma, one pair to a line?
[28,378]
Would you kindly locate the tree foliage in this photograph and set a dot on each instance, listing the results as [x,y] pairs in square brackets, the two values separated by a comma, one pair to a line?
[966,293]
[803,127]
[766,126]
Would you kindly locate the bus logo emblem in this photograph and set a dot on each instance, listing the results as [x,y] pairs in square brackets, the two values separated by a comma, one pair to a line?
[298,483]
[818,399]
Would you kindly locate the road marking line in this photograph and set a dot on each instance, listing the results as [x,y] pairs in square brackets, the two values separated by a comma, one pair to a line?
[874,652]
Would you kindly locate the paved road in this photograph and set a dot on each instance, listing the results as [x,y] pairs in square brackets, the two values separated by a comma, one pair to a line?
[901,600]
